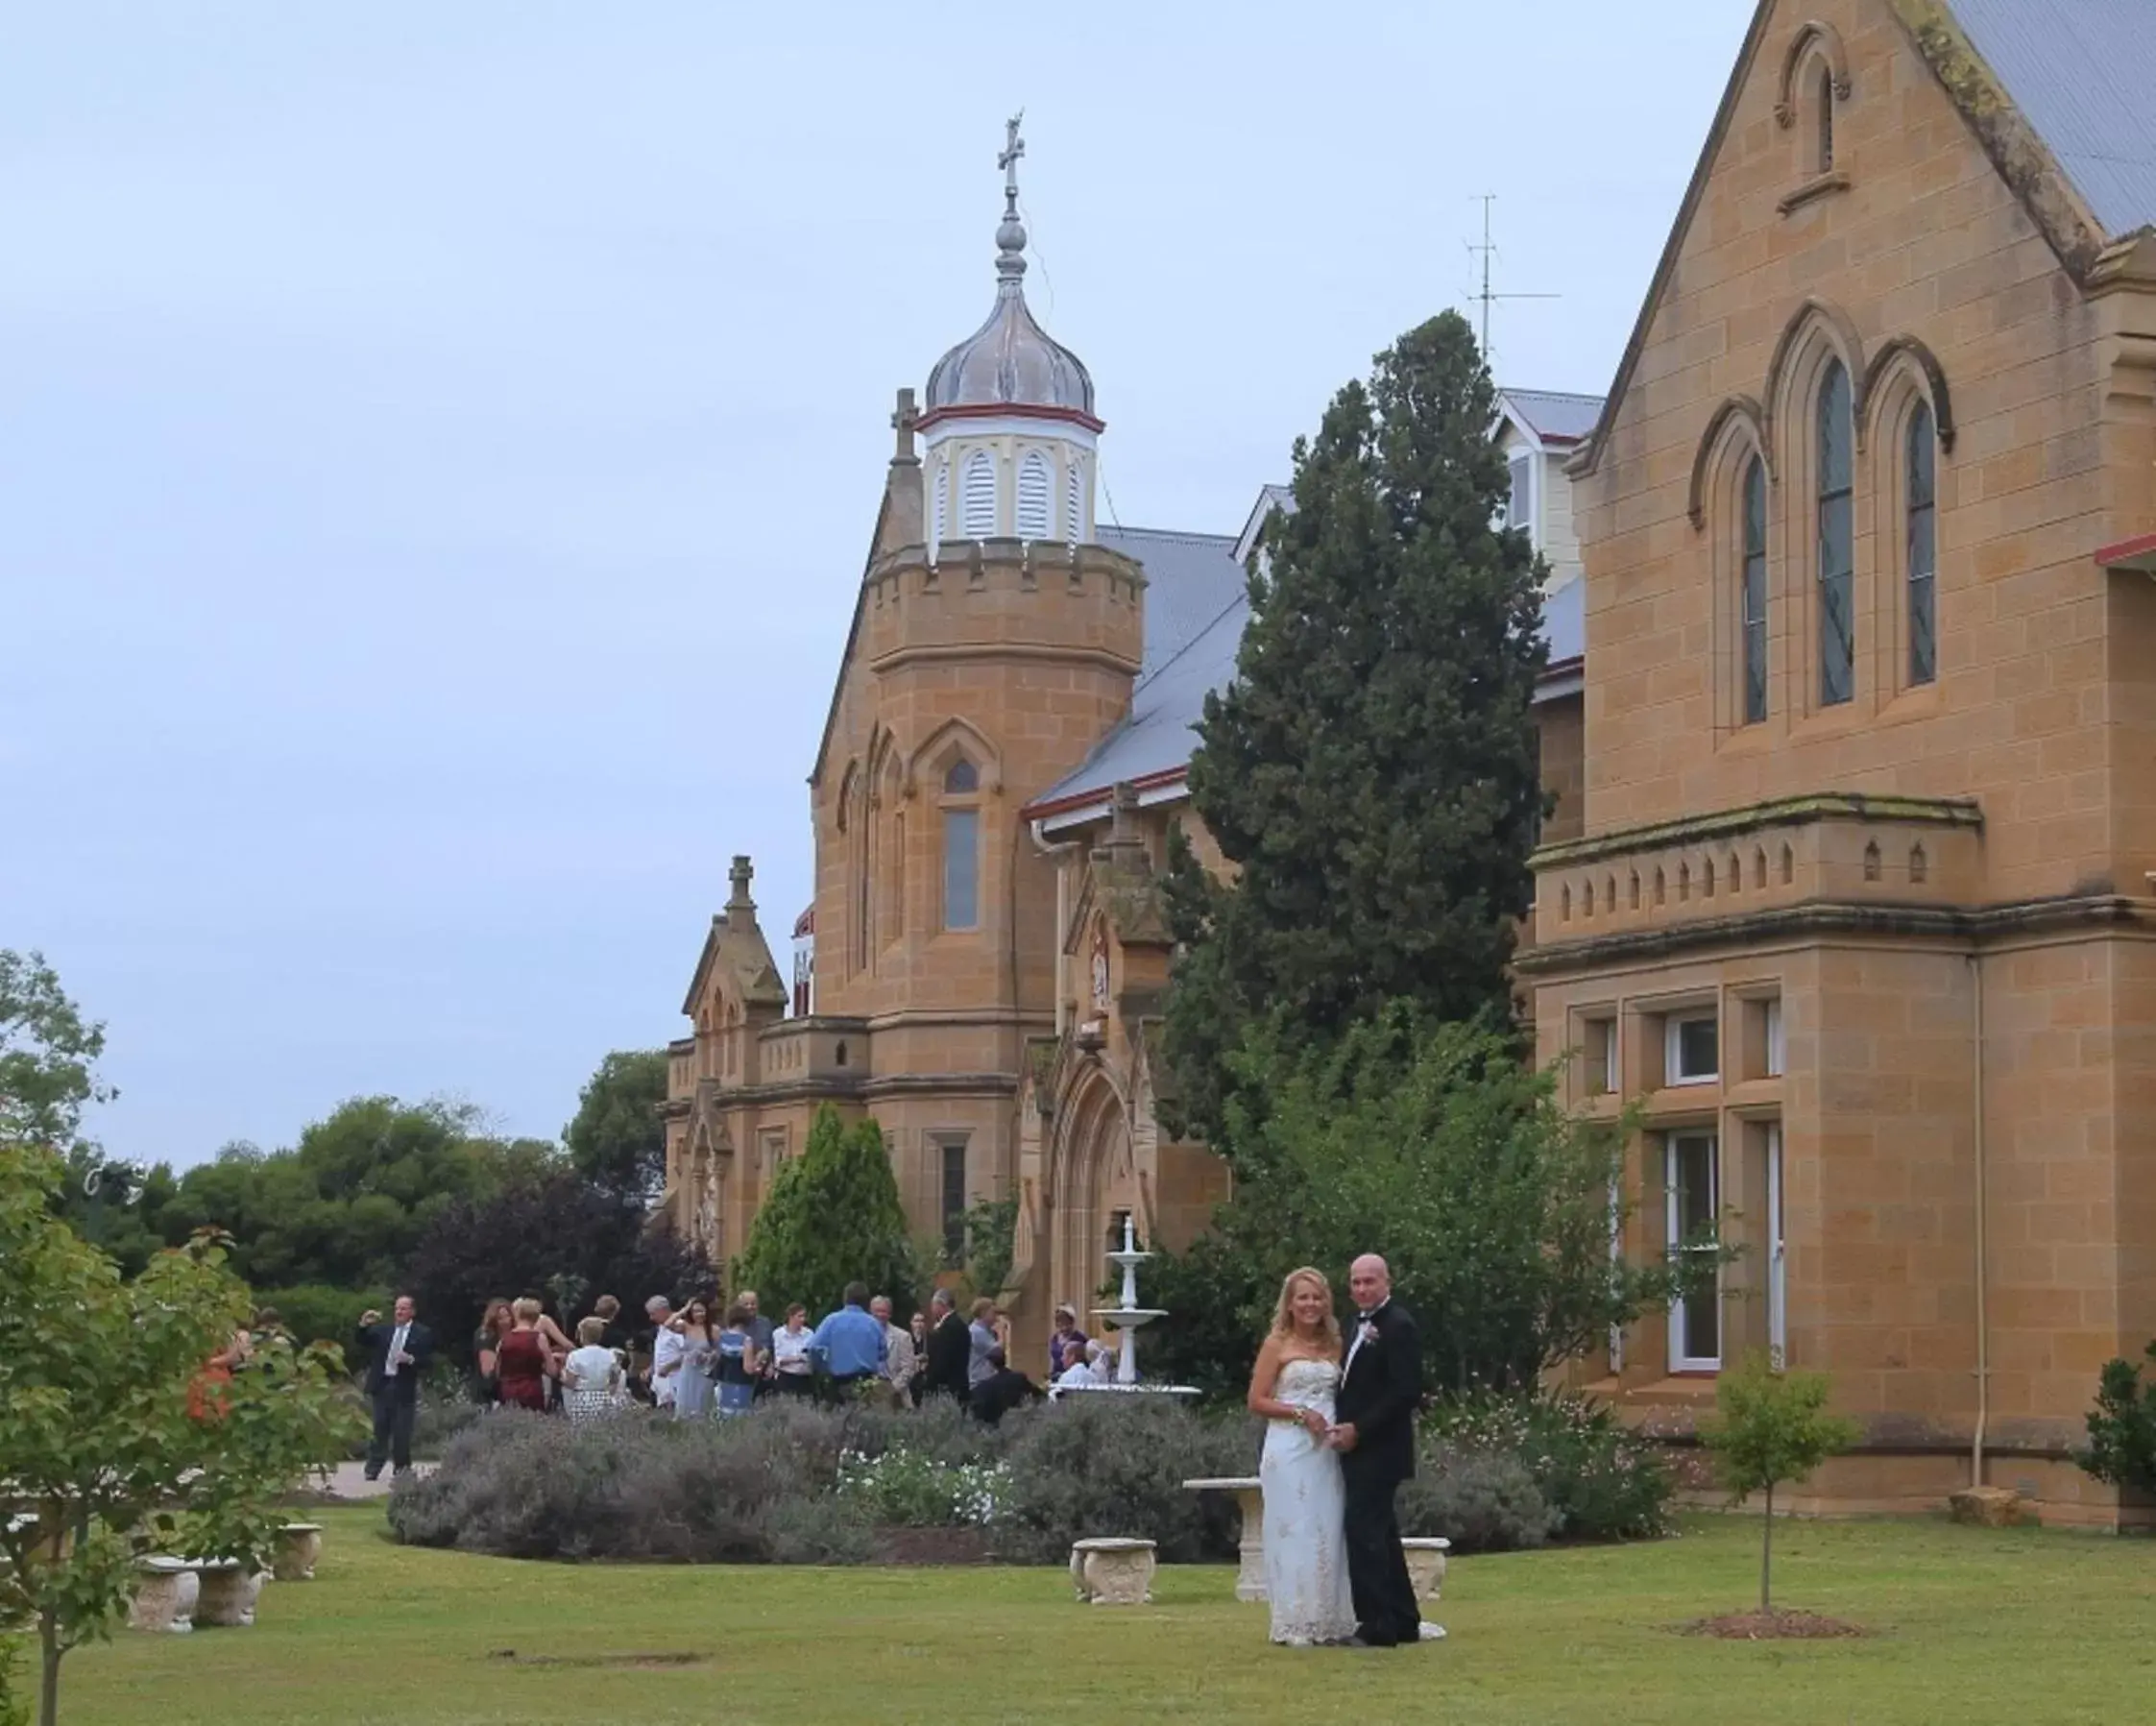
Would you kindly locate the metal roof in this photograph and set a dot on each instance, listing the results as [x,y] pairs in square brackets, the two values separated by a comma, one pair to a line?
[1190,580]
[1156,742]
[1557,415]
[2083,74]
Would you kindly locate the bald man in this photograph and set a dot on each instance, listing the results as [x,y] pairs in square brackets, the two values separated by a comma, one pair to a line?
[1374,1430]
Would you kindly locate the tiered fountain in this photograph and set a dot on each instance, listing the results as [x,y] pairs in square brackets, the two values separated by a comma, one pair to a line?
[1128,1319]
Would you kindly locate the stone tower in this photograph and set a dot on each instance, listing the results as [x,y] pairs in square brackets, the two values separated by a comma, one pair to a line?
[994,643]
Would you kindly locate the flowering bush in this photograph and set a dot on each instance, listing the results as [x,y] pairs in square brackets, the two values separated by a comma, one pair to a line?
[1599,1479]
[907,1489]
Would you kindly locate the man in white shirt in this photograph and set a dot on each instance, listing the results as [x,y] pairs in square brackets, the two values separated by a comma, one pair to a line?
[667,1347]
[397,1355]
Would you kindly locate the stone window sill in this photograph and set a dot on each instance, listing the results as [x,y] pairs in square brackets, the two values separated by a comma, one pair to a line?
[1823,185]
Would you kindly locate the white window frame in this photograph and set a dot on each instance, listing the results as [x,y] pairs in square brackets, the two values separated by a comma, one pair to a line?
[1613,1069]
[1778,1254]
[1679,1360]
[1777,1047]
[1533,520]
[1673,1047]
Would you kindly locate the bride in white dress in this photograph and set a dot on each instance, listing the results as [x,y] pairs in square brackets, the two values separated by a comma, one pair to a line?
[1305,1504]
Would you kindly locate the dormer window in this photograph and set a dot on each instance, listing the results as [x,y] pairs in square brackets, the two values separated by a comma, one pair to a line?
[1519,509]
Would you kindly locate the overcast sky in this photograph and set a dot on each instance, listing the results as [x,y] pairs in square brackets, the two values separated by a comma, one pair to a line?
[439,441]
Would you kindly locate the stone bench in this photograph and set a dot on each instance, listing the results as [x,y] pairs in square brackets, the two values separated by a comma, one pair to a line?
[297,1545]
[228,1592]
[1426,1565]
[1249,1500]
[164,1599]
[1112,1572]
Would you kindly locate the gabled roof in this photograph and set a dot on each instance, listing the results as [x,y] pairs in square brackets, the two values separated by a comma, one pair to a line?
[1190,578]
[2044,86]
[1557,418]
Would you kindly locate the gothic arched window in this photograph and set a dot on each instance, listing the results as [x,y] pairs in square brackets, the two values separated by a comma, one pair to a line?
[1837,557]
[1923,542]
[1754,591]
[1824,86]
[962,845]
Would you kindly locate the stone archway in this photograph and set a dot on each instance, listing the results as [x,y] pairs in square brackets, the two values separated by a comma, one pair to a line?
[1094,1178]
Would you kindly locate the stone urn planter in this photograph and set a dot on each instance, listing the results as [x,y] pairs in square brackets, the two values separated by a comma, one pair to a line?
[297,1545]
[1112,1572]
[164,1599]
[228,1589]
[1426,1565]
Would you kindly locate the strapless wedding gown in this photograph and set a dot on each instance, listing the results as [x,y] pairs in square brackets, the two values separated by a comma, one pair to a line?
[1305,1507]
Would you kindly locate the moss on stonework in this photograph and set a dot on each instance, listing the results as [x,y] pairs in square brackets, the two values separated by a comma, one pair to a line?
[1780,812]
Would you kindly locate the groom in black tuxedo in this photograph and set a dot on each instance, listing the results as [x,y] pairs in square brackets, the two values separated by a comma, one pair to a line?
[1374,1430]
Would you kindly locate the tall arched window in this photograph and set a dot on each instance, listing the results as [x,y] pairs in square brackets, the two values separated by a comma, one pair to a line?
[1754,598]
[962,845]
[977,497]
[1923,542]
[1838,566]
[1074,500]
[1826,88]
[1037,496]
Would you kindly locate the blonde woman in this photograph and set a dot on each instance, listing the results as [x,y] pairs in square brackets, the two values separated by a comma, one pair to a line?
[1305,1503]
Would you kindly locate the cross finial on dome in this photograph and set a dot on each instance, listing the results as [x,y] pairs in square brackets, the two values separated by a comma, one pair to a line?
[1010,235]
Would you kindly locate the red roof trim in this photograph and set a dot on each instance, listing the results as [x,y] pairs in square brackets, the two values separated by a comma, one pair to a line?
[1063,805]
[997,410]
[2136,553]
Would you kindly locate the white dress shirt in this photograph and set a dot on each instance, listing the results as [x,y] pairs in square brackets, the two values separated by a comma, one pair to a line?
[666,1349]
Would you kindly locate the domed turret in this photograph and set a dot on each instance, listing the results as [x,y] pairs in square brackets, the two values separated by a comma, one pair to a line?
[1007,426]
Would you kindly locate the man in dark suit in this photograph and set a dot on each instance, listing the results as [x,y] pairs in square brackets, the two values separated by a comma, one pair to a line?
[396,1355]
[1374,1430]
[950,1350]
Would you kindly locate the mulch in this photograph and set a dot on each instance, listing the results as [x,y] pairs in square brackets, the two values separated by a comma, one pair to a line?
[1771,1626]
[933,1546]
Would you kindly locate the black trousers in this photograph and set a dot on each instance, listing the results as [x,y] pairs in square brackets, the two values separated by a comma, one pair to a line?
[1386,1611]
[393,1432]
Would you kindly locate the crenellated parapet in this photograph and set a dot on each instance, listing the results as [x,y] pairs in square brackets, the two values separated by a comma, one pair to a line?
[1024,598]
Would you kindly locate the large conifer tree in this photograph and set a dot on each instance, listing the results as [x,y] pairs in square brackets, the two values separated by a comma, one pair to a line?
[832,1217]
[1371,771]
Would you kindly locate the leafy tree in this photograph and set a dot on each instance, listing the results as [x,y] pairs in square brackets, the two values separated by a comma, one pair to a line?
[112,1433]
[1770,1426]
[618,1138]
[2122,1427]
[1370,774]
[555,1236]
[832,1217]
[348,1205]
[48,1056]
[1436,1146]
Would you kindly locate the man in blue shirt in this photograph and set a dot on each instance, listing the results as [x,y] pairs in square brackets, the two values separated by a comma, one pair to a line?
[850,1345]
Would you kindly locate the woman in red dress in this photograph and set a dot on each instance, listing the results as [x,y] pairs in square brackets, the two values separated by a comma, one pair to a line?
[522,1361]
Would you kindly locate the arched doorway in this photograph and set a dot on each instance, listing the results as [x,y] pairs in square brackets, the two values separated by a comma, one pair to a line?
[1095,1184]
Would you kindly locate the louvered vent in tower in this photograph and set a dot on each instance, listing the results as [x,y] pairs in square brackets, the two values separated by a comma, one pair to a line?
[977,496]
[942,502]
[1037,496]
[1074,500]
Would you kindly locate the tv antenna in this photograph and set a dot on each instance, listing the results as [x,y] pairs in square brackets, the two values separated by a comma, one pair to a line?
[1488,296]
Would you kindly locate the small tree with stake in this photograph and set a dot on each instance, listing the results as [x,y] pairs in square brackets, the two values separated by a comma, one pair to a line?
[1768,1427]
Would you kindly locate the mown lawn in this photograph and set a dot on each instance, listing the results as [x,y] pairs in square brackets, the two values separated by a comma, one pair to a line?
[1970,1626]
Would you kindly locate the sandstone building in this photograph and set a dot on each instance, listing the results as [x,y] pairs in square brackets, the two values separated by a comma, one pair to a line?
[1850,720]
[1861,903]
[983,964]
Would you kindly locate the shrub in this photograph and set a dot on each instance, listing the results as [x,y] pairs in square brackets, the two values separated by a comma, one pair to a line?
[1092,1466]
[1599,1479]
[906,1489]
[2122,1427]
[1480,1500]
